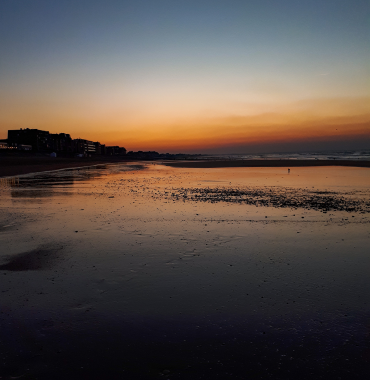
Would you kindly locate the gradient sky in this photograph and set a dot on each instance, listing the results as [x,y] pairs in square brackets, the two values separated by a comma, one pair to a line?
[233,76]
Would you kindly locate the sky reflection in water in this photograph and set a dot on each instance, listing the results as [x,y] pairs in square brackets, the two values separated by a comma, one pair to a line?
[110,260]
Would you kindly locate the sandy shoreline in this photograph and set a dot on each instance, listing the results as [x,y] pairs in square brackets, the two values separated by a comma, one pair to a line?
[13,166]
[185,273]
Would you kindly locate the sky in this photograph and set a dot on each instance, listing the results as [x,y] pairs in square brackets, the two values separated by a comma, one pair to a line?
[205,76]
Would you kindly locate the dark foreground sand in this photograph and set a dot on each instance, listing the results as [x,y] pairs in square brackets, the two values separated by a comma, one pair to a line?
[169,273]
[265,163]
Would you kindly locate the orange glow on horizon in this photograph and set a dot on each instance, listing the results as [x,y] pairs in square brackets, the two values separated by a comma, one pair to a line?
[311,120]
[211,136]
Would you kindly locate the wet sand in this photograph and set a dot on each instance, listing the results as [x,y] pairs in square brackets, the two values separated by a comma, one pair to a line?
[18,165]
[145,271]
[12,166]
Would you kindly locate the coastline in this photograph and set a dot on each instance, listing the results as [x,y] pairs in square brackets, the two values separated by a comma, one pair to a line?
[13,166]
[265,163]
[234,264]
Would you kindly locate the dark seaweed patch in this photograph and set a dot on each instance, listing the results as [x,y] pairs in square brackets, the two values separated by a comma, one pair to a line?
[276,197]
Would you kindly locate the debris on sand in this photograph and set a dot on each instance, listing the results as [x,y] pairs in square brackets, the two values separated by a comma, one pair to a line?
[323,201]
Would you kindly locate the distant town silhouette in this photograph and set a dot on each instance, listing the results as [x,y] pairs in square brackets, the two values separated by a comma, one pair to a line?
[62,144]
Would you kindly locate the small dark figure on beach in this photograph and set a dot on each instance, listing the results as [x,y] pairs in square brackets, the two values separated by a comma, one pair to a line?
[288,171]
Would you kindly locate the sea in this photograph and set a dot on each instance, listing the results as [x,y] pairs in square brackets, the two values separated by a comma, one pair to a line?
[328,155]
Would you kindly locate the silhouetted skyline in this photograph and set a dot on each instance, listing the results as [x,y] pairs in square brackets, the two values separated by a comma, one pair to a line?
[196,76]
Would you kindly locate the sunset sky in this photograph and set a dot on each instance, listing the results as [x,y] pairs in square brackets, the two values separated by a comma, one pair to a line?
[205,76]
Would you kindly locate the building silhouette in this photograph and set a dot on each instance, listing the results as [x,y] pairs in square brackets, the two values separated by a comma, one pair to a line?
[37,140]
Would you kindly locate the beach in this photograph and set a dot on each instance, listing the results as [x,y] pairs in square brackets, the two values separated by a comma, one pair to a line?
[25,164]
[144,270]
[18,165]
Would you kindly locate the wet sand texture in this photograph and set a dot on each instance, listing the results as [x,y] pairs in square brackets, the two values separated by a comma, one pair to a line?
[36,259]
[135,271]
[276,197]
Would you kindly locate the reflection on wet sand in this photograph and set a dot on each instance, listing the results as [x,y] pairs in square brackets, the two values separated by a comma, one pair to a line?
[48,184]
[11,181]
[120,276]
